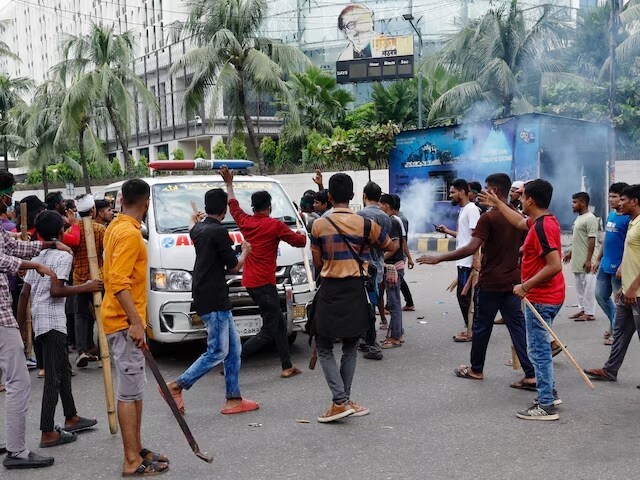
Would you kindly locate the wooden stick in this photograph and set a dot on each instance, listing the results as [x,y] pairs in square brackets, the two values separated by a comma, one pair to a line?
[452,286]
[94,271]
[555,337]
[24,235]
[515,361]
[305,258]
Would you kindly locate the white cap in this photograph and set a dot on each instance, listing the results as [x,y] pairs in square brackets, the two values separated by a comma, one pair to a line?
[85,203]
[517,186]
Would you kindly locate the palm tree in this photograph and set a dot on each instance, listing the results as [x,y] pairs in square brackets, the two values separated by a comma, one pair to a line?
[11,90]
[232,59]
[396,103]
[498,56]
[100,65]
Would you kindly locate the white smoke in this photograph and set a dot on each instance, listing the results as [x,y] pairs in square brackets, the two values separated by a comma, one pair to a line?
[417,205]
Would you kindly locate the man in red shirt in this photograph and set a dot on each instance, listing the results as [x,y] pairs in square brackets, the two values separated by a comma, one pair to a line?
[542,283]
[259,273]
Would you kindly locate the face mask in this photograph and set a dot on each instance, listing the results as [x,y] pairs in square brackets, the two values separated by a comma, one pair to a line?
[8,205]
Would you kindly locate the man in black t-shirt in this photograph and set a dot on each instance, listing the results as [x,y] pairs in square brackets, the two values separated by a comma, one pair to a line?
[214,259]
[498,275]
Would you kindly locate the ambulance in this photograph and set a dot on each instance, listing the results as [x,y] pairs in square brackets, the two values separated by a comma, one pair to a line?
[171,257]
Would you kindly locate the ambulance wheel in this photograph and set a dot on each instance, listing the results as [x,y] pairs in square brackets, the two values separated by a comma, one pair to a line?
[292,337]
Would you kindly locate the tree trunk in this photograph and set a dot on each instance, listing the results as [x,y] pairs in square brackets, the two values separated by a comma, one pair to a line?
[45,180]
[253,139]
[123,140]
[83,161]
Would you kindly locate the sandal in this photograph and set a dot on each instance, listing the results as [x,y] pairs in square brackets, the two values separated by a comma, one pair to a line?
[384,326]
[148,468]
[63,439]
[609,341]
[245,406]
[607,334]
[465,372]
[155,457]
[462,338]
[390,343]
[82,425]
[599,374]
[177,397]
[522,385]
[576,315]
[290,372]
[409,308]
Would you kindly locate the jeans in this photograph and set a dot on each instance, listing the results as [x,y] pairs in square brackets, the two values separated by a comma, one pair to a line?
[223,345]
[273,325]
[606,285]
[464,301]
[539,349]
[487,305]
[586,290]
[627,324]
[57,379]
[84,322]
[395,307]
[339,380]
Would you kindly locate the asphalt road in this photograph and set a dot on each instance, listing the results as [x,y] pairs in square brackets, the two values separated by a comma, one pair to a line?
[425,422]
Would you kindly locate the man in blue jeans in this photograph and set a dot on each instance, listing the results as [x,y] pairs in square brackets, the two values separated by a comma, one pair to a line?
[215,258]
[610,256]
[542,284]
[498,274]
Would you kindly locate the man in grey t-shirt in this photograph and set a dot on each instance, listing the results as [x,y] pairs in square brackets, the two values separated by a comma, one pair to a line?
[370,198]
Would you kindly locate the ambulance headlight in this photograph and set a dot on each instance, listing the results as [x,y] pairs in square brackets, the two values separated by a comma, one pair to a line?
[298,274]
[171,280]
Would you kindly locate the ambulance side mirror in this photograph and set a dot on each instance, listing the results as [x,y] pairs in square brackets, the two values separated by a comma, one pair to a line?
[145,231]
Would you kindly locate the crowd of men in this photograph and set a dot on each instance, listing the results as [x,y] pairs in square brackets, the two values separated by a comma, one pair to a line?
[508,251]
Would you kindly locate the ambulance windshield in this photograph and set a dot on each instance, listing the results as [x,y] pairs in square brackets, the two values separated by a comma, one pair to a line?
[172,202]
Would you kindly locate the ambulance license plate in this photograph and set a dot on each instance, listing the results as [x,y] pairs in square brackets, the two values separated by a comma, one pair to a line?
[248,326]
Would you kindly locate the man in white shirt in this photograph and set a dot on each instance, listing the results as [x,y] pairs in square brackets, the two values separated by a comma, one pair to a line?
[467,220]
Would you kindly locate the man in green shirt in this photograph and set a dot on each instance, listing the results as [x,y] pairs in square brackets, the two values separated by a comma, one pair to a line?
[581,256]
[627,304]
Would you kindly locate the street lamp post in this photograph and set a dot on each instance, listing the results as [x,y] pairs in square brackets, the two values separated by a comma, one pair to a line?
[409,17]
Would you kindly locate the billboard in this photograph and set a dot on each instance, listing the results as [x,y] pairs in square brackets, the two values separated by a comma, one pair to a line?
[370,56]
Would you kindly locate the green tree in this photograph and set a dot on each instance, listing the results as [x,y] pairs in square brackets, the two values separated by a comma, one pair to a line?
[142,167]
[268,149]
[499,57]
[233,59]
[101,67]
[11,91]
[361,116]
[237,148]
[178,154]
[116,169]
[396,103]
[220,150]
[200,152]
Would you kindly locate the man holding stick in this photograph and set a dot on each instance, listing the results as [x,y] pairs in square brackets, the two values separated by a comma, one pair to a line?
[499,273]
[628,308]
[542,283]
[467,221]
[124,316]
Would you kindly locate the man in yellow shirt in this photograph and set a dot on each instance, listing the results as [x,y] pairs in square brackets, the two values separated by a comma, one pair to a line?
[627,320]
[124,313]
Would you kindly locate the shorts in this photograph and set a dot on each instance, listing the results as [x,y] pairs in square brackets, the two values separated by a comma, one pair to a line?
[129,367]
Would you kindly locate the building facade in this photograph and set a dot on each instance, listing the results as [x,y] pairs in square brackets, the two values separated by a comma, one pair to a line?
[35,30]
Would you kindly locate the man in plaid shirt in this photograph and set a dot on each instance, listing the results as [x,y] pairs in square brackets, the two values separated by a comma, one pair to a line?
[12,361]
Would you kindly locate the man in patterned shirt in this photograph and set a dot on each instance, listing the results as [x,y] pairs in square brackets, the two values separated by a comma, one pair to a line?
[12,361]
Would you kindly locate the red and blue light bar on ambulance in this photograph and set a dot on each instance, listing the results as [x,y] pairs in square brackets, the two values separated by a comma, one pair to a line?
[201,164]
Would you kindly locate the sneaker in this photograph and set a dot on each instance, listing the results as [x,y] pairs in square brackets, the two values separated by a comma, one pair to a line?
[539,412]
[373,353]
[82,360]
[336,412]
[31,363]
[363,347]
[360,410]
[556,399]
[91,357]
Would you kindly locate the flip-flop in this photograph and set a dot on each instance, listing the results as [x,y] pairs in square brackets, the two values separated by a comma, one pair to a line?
[65,437]
[148,468]
[599,374]
[293,371]
[464,372]
[155,457]
[245,406]
[82,425]
[462,339]
[387,344]
[520,385]
[177,397]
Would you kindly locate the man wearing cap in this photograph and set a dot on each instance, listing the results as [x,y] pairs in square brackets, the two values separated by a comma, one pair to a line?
[83,316]
[517,188]
[306,210]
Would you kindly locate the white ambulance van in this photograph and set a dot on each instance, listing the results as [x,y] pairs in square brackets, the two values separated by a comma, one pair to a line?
[171,255]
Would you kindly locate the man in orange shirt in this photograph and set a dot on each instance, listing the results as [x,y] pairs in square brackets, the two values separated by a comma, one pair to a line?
[124,313]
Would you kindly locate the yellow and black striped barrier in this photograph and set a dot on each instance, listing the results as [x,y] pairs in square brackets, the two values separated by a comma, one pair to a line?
[436,244]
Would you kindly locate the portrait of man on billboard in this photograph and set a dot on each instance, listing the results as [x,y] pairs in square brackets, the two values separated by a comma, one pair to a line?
[356,23]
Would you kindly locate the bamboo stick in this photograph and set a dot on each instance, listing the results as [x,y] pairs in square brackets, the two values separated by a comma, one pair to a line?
[24,235]
[94,271]
[555,337]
